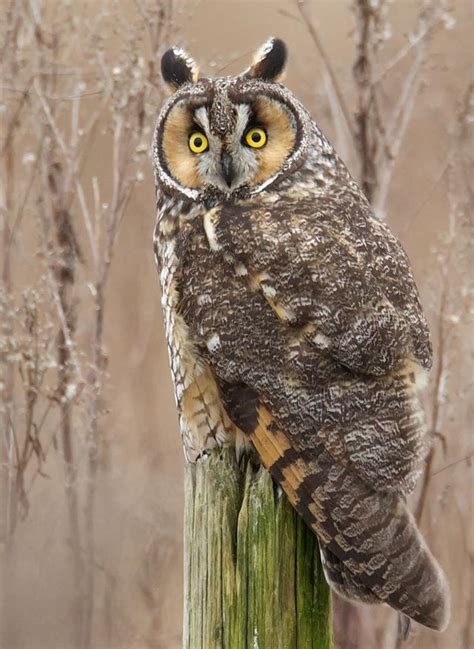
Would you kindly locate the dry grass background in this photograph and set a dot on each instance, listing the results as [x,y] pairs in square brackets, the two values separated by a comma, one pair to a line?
[91,460]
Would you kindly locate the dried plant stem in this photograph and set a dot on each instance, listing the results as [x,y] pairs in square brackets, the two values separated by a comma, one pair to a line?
[63,268]
[6,442]
[460,200]
[334,83]
[366,97]
[121,194]
[7,374]
[92,464]
[82,545]
[438,387]
[397,130]
[8,501]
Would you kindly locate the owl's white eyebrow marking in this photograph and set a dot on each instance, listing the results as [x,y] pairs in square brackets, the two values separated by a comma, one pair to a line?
[202,118]
[243,114]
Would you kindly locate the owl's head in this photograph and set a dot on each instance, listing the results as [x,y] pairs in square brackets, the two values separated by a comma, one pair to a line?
[228,136]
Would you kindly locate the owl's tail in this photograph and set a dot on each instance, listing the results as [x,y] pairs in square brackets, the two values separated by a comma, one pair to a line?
[371,547]
[412,581]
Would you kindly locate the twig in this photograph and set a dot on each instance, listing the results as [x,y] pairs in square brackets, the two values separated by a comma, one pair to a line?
[466,458]
[414,41]
[396,130]
[302,8]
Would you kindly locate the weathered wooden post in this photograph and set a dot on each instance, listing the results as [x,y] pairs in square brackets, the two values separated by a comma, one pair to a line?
[253,577]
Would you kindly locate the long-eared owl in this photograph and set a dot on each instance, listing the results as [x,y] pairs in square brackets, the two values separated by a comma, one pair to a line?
[294,323]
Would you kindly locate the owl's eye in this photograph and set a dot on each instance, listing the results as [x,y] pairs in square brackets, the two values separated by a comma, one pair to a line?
[198,142]
[256,137]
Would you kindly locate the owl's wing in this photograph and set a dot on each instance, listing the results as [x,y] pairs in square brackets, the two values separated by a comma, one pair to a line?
[340,284]
[333,271]
[370,546]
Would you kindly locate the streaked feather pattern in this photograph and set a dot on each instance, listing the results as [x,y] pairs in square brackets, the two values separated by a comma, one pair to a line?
[293,320]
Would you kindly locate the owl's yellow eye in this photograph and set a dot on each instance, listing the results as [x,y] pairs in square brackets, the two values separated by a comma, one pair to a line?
[256,137]
[198,142]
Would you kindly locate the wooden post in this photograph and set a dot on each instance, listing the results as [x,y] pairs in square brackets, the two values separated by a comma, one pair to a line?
[253,577]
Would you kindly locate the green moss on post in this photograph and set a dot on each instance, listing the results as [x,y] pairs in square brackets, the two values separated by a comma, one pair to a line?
[253,577]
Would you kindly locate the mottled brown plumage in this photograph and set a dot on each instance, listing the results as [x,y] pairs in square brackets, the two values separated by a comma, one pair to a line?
[294,324]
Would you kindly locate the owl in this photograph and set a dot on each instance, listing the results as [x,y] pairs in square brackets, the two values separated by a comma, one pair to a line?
[293,323]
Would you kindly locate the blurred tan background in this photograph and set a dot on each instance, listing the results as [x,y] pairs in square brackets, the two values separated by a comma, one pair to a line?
[55,52]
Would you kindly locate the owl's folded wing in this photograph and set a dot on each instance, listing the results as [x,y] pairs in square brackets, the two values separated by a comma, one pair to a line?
[334,270]
[371,548]
[340,286]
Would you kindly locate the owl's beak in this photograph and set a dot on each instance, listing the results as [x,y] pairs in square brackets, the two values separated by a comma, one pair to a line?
[227,168]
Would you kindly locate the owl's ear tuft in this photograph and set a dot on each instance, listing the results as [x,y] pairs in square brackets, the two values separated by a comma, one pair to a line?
[269,61]
[178,68]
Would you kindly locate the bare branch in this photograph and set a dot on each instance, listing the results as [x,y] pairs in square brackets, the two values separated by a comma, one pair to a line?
[337,92]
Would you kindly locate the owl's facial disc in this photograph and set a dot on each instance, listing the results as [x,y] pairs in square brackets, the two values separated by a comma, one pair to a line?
[258,137]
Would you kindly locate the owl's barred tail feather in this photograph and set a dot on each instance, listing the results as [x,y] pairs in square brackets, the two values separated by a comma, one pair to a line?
[419,589]
[371,548]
